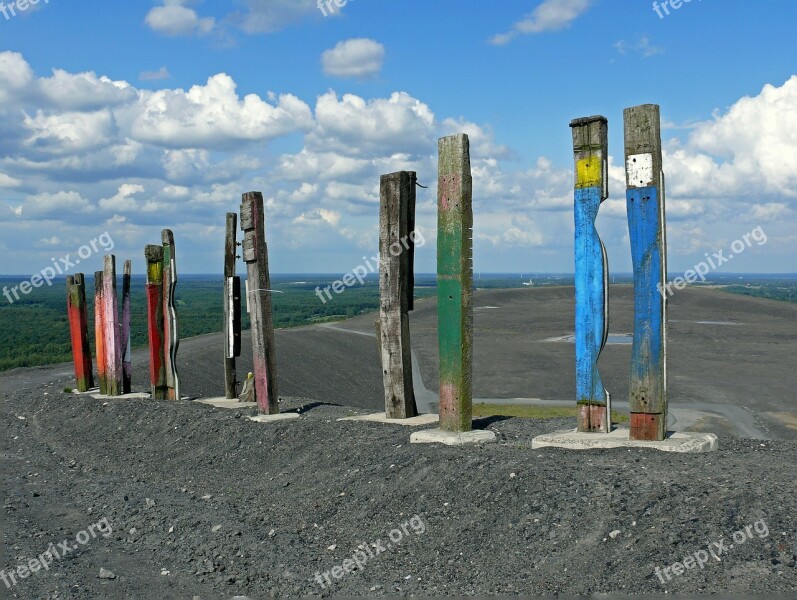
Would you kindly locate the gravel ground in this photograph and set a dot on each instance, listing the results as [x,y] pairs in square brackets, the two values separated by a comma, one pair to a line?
[195,501]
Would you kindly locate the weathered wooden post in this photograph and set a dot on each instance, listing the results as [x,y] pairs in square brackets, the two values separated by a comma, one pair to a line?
[397,192]
[646,223]
[255,255]
[99,332]
[455,282]
[113,348]
[154,290]
[232,309]
[591,154]
[127,359]
[79,332]
[171,335]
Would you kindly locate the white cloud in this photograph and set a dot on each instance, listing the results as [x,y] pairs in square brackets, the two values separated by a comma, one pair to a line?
[214,116]
[551,15]
[268,16]
[173,18]
[57,205]
[123,200]
[642,47]
[159,75]
[358,57]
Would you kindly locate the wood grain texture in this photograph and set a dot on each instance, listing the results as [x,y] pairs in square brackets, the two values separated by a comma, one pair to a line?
[397,196]
[153,256]
[255,255]
[590,151]
[232,308]
[127,357]
[455,283]
[99,332]
[78,329]
[112,330]
[171,334]
[645,203]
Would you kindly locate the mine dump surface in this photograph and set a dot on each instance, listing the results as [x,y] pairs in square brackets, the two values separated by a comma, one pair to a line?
[180,499]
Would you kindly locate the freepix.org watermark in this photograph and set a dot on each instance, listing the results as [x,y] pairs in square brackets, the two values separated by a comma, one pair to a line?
[55,552]
[366,551]
[359,273]
[60,266]
[663,8]
[327,7]
[714,550]
[11,9]
[713,262]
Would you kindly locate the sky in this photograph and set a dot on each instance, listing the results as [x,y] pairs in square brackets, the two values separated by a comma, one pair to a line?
[125,118]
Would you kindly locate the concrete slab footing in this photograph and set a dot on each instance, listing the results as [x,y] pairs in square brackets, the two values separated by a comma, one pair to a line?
[450,438]
[274,418]
[684,441]
[222,402]
[382,418]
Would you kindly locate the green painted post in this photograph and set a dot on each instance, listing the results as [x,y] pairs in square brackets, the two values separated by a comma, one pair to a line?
[455,283]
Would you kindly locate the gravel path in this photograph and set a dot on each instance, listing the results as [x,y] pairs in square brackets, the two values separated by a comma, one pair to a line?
[186,500]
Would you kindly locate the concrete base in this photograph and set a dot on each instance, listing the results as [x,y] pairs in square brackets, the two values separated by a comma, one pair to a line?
[685,441]
[381,418]
[133,396]
[94,390]
[274,418]
[449,438]
[222,402]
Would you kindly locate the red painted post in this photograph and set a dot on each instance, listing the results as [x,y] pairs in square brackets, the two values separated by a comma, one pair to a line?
[154,291]
[78,327]
[127,365]
[99,331]
[171,336]
[113,348]
[255,255]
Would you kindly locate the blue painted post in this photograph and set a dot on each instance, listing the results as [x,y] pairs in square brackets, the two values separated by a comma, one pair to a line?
[590,150]
[646,223]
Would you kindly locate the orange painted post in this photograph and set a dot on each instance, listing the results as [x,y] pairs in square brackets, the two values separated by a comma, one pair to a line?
[78,327]
[99,332]
[154,291]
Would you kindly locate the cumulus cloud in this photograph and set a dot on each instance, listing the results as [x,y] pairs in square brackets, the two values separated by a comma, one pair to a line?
[268,16]
[359,57]
[551,15]
[174,18]
[159,75]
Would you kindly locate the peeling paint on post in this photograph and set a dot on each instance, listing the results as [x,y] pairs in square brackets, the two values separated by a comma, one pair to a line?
[397,201]
[232,309]
[79,332]
[99,332]
[127,364]
[591,155]
[154,291]
[171,335]
[113,347]
[255,255]
[646,222]
[455,283]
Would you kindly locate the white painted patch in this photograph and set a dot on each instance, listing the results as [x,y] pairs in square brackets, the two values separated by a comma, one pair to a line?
[639,168]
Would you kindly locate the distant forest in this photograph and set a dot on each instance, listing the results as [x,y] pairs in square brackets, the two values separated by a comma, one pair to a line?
[35,331]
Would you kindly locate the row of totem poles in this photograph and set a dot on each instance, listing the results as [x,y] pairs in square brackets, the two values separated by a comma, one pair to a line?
[112,325]
[645,210]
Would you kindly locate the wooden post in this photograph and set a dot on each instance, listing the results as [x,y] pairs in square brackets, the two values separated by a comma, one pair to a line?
[154,291]
[113,347]
[171,335]
[397,192]
[127,364]
[79,332]
[99,332]
[646,223]
[591,154]
[255,255]
[455,283]
[232,309]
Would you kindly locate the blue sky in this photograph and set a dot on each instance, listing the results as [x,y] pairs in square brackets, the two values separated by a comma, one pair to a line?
[136,116]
